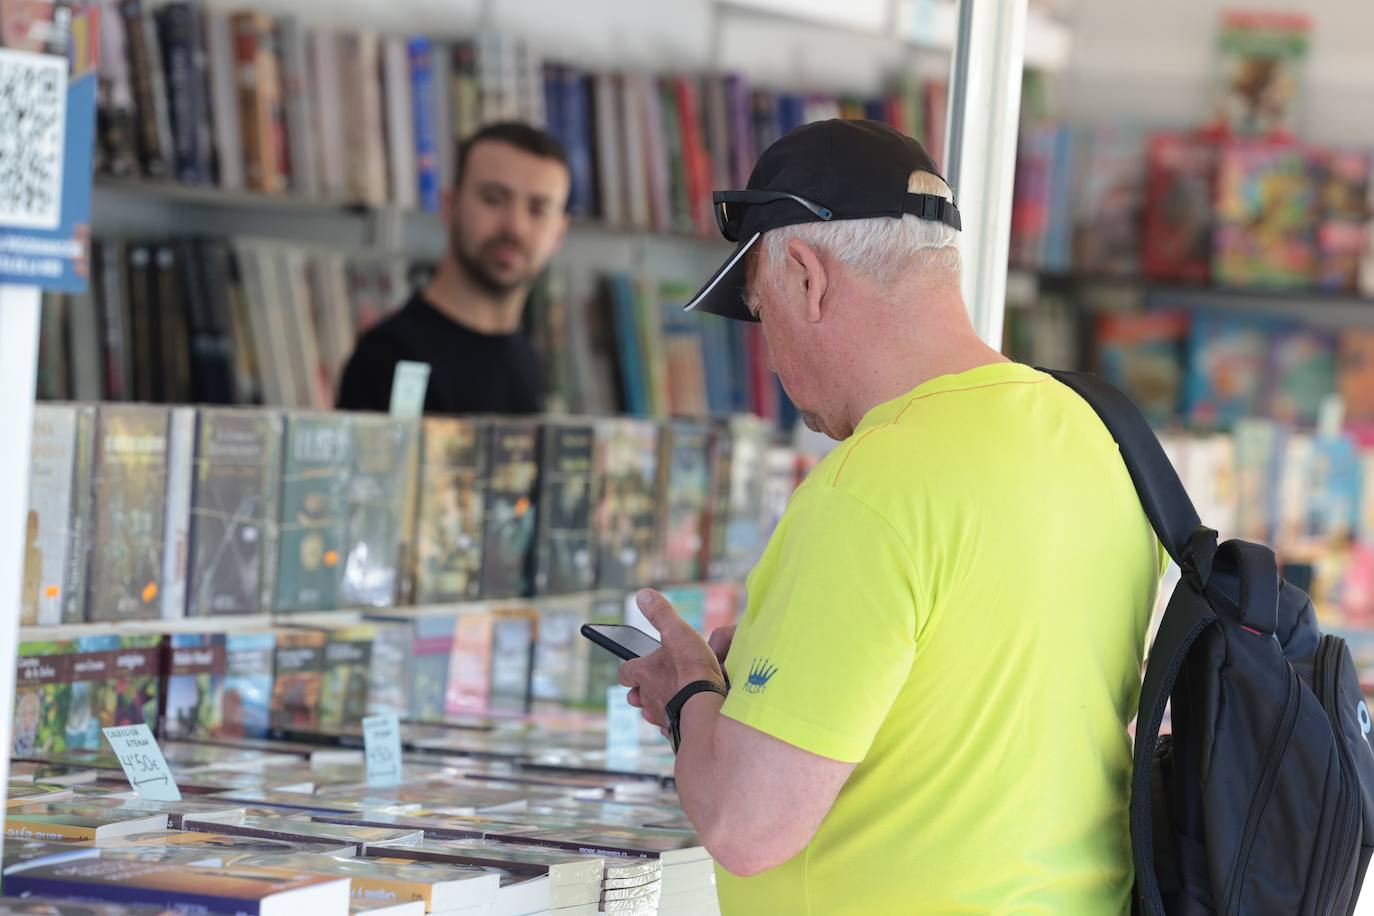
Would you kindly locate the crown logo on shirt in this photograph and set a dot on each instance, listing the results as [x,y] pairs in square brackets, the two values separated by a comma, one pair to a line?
[759,675]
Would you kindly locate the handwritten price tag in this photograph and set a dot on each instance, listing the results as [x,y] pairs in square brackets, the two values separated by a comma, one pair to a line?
[143,763]
[382,747]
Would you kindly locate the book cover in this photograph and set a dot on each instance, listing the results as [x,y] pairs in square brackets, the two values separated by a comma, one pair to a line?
[135,680]
[346,682]
[684,362]
[685,464]
[389,670]
[1106,236]
[634,382]
[233,511]
[565,552]
[55,535]
[365,130]
[1301,374]
[186,888]
[1261,57]
[73,822]
[248,685]
[176,530]
[441,888]
[91,701]
[627,506]
[1343,187]
[179,29]
[744,540]
[512,655]
[451,510]
[298,670]
[1177,238]
[511,511]
[561,654]
[153,145]
[194,692]
[1355,382]
[42,698]
[713,555]
[1227,362]
[429,666]
[384,454]
[315,471]
[1266,217]
[469,670]
[129,481]
[1142,355]
[419,52]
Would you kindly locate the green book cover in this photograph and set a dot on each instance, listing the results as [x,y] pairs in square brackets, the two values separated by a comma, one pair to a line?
[451,510]
[384,455]
[511,512]
[194,695]
[346,683]
[129,484]
[42,697]
[234,511]
[315,472]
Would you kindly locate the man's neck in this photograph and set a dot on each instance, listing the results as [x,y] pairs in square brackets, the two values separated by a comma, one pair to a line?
[473,306]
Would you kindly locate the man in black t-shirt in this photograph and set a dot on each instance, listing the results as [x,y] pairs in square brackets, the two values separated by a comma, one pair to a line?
[507,216]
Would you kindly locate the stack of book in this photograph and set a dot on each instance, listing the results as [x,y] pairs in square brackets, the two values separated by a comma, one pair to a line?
[470,835]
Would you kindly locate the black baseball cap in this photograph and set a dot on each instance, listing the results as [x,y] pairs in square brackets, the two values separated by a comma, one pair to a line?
[819,172]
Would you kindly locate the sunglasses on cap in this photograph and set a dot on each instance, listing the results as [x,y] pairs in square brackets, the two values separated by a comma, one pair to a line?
[730,207]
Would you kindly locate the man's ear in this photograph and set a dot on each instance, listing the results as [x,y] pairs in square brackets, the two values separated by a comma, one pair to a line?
[815,279]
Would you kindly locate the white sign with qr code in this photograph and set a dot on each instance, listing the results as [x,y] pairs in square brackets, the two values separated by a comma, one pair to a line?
[33,116]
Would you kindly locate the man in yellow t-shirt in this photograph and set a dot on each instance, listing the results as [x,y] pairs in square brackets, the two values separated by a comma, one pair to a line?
[942,649]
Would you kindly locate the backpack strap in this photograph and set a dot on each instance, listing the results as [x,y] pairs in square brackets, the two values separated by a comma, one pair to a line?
[1193,547]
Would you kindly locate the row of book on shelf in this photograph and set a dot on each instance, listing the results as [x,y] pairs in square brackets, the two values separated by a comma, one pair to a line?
[1117,200]
[150,512]
[245,100]
[488,821]
[215,321]
[1206,368]
[502,659]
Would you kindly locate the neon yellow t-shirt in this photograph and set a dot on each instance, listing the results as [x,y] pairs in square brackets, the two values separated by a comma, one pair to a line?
[956,600]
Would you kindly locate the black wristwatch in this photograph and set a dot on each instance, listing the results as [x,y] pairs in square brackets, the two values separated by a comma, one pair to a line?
[674,707]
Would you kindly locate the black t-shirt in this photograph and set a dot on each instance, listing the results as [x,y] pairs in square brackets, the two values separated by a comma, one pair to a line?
[469,372]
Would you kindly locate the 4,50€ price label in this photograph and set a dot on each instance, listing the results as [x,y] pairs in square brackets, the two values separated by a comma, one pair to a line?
[143,763]
[382,747]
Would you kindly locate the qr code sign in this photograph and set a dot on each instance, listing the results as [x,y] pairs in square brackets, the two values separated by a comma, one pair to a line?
[33,113]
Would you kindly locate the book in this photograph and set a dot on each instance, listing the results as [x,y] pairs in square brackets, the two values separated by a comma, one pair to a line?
[1261,57]
[179,30]
[1227,362]
[1266,217]
[194,693]
[109,270]
[1355,382]
[1111,202]
[71,822]
[298,675]
[22,854]
[117,121]
[418,54]
[350,840]
[685,471]
[377,543]
[222,93]
[249,685]
[1142,354]
[1257,447]
[323,67]
[233,512]
[90,696]
[130,467]
[1180,176]
[176,530]
[565,553]
[346,682]
[441,888]
[56,534]
[260,101]
[626,509]
[42,698]
[226,889]
[470,665]
[451,510]
[510,511]
[399,108]
[512,656]
[311,533]
[1301,374]
[297,117]
[429,666]
[561,654]
[743,520]
[364,137]
[145,66]
[27,793]
[1343,187]
[389,670]
[212,845]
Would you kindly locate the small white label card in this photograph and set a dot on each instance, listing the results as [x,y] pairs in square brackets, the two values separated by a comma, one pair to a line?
[143,763]
[408,387]
[382,746]
[622,726]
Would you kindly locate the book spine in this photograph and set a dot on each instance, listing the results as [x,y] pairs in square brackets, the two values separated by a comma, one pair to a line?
[150,145]
[181,437]
[118,120]
[419,53]
[327,107]
[441,90]
[177,28]
[224,107]
[79,525]
[400,126]
[300,136]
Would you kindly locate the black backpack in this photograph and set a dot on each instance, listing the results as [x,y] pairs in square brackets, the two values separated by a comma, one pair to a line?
[1262,800]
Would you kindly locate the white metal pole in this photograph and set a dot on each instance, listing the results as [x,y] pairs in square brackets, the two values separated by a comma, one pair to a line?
[19,313]
[980,148]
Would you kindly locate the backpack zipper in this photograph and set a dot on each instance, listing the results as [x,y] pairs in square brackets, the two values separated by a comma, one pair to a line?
[1349,815]
[1273,756]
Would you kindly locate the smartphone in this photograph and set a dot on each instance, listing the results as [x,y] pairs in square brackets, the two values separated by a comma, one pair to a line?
[624,641]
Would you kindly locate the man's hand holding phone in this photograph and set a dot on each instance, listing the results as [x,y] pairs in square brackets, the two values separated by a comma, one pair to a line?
[684,657]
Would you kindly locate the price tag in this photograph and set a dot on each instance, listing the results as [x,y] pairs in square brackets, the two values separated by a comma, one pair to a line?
[143,763]
[382,747]
[622,727]
[408,387]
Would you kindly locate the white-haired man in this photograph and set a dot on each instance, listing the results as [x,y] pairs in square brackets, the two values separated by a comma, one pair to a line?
[942,648]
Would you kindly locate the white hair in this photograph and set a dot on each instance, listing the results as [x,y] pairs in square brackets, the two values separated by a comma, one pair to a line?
[882,248]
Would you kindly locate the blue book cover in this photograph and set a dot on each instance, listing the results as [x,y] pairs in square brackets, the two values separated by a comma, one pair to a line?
[632,376]
[429,666]
[553,102]
[577,141]
[246,706]
[791,111]
[179,29]
[719,363]
[422,97]
[90,690]
[1228,358]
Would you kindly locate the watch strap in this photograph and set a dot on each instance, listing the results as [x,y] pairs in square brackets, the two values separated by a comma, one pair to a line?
[673,710]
